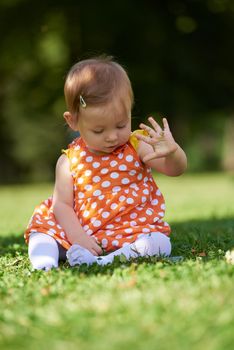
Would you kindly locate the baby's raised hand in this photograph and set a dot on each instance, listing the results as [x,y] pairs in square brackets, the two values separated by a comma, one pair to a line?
[161,140]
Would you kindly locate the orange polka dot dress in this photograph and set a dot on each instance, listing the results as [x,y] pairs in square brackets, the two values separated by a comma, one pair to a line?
[115,198]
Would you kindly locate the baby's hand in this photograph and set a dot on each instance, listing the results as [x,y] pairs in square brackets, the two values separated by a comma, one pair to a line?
[161,140]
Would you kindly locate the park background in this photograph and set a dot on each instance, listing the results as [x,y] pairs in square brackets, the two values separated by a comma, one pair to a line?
[179,55]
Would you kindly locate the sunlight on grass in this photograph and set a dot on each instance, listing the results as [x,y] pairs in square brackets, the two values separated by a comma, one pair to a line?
[153,303]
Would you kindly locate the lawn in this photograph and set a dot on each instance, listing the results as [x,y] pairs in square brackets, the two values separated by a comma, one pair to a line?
[149,304]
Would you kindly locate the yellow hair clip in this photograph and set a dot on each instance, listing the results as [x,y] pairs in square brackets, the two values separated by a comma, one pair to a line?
[82,102]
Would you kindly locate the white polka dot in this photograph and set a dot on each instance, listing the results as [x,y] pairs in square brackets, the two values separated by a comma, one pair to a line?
[80,180]
[125,244]
[126,190]
[96,179]
[81,195]
[105,214]
[39,222]
[109,232]
[97,193]
[119,236]
[122,208]
[114,206]
[129,158]
[88,187]
[104,171]
[89,232]
[105,158]
[143,199]
[116,189]
[146,179]
[51,223]
[51,231]
[161,214]
[86,213]
[128,230]
[101,197]
[133,223]
[132,172]
[137,164]
[158,193]
[97,223]
[62,234]
[130,201]
[145,230]
[83,153]
[93,205]
[115,243]
[86,227]
[89,159]
[149,211]
[145,191]
[122,167]
[133,185]
[163,206]
[110,226]
[122,198]
[125,181]
[77,148]
[74,160]
[117,219]
[139,208]
[139,177]
[96,165]
[133,215]
[143,219]
[88,172]
[104,242]
[154,202]
[113,163]
[82,207]
[120,155]
[155,219]
[106,184]
[134,194]
[114,175]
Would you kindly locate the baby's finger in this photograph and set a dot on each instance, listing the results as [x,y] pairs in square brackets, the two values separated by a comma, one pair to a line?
[148,129]
[165,124]
[146,139]
[155,125]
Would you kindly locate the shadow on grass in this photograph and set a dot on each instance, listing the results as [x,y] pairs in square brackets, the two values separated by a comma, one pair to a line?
[189,239]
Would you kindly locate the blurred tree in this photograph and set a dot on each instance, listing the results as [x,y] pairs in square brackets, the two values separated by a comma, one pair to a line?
[179,55]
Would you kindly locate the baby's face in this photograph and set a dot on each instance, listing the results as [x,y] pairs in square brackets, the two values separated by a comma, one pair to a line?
[105,128]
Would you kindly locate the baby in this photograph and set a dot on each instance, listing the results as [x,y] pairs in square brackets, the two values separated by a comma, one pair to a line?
[105,201]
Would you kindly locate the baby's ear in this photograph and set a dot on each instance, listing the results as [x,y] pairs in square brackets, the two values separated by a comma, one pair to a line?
[71,120]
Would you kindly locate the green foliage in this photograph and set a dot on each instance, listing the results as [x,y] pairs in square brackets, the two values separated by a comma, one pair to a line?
[179,55]
[145,304]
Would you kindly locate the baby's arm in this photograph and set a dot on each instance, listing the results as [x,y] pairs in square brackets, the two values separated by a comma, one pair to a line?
[160,151]
[63,208]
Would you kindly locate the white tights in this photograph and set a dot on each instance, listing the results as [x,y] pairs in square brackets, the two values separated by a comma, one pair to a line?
[45,252]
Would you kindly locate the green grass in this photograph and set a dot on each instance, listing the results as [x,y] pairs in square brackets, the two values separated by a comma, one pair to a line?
[151,304]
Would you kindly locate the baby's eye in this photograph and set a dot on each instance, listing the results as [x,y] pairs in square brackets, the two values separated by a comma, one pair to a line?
[121,126]
[97,131]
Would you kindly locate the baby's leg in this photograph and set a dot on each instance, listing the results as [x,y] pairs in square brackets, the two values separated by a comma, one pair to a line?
[155,243]
[43,251]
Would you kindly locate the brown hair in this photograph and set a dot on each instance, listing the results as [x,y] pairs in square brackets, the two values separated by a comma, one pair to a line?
[98,80]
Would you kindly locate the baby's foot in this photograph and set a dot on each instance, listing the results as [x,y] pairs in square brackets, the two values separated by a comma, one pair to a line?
[77,255]
[103,260]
